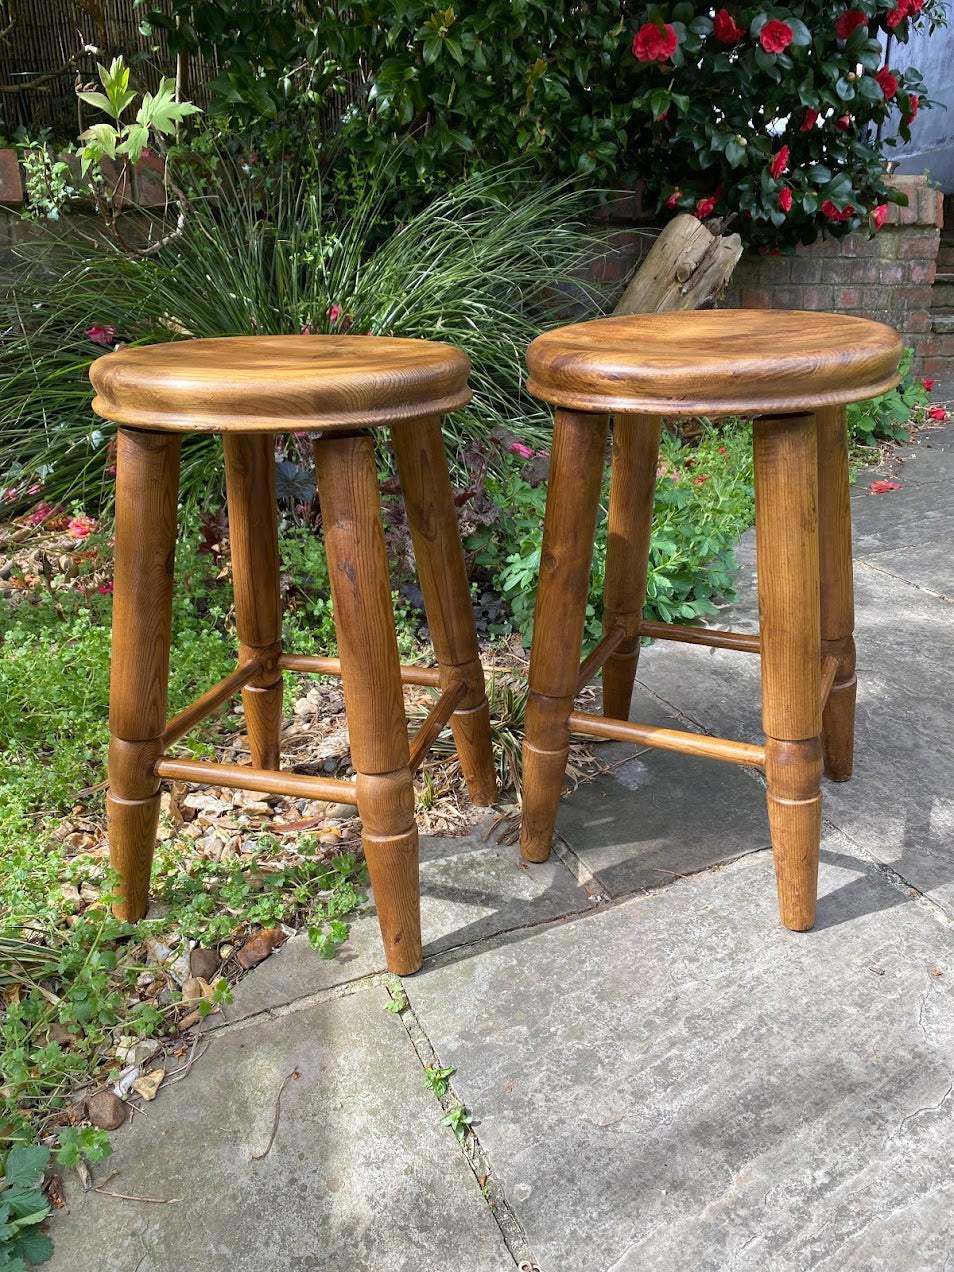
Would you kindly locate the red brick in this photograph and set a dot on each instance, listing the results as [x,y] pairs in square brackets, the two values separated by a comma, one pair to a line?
[11,187]
[931,207]
[847,297]
[917,322]
[922,271]
[148,185]
[918,247]
[890,272]
[839,270]
[816,298]
[937,368]
[756,298]
[787,297]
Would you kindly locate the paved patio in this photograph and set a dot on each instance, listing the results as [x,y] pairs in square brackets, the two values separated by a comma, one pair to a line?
[660,1076]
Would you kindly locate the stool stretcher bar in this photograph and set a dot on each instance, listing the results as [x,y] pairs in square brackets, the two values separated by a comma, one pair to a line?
[667,739]
[238,777]
[712,636]
[437,717]
[197,711]
[829,670]
[316,666]
[594,661]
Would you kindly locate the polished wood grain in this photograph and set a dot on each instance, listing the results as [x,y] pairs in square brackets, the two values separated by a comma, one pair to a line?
[786,538]
[836,592]
[714,362]
[147,482]
[628,530]
[576,472]
[253,542]
[432,521]
[279,383]
[411,674]
[696,744]
[712,637]
[202,707]
[242,778]
[371,683]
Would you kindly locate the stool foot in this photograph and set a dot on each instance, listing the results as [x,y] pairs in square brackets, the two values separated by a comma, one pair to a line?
[629,526]
[838,730]
[793,772]
[132,825]
[542,785]
[432,520]
[390,840]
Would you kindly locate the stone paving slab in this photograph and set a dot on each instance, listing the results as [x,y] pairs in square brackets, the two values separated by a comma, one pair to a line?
[927,459]
[657,815]
[360,1175]
[470,889]
[930,567]
[677,1082]
[903,518]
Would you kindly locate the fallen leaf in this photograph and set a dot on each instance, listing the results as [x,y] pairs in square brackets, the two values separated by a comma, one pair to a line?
[882,487]
[148,1085]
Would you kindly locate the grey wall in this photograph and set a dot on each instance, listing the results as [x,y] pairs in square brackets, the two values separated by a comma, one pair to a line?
[931,148]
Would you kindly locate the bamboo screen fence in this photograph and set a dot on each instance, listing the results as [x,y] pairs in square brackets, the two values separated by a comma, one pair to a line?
[45,44]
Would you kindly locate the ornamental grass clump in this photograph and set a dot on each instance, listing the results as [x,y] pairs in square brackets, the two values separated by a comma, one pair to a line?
[477,267]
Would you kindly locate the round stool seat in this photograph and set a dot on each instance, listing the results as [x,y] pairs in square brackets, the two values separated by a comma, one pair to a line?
[714,362]
[261,384]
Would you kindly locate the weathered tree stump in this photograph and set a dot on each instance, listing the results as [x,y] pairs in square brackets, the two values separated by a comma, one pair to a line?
[687,267]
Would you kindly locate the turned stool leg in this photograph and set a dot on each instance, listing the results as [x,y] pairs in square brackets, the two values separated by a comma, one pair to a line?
[786,530]
[576,474]
[371,682]
[632,487]
[253,536]
[429,501]
[837,591]
[147,485]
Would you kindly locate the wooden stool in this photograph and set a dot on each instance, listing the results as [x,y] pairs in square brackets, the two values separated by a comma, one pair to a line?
[792,373]
[248,389]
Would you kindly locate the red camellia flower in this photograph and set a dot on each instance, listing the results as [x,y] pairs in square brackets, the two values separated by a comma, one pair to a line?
[775,36]
[882,487]
[726,29]
[811,118]
[673,198]
[905,9]
[913,103]
[652,44]
[879,214]
[937,413]
[705,207]
[847,23]
[829,209]
[779,162]
[928,384]
[889,85]
[785,199]
[843,122]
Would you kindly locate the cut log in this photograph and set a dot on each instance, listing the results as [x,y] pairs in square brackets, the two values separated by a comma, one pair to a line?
[687,267]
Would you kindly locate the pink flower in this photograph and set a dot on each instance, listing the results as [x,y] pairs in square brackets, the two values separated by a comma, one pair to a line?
[105,588]
[725,28]
[654,44]
[36,516]
[937,413]
[518,448]
[879,214]
[847,23]
[785,199]
[928,384]
[700,480]
[333,312]
[882,487]
[102,335]
[808,123]
[775,36]
[889,85]
[829,210]
[779,162]
[673,198]
[81,527]
[913,103]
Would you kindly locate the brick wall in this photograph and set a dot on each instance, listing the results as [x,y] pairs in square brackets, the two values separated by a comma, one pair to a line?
[888,277]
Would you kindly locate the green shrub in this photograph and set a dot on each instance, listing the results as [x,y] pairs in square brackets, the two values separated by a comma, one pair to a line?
[475,268]
[888,417]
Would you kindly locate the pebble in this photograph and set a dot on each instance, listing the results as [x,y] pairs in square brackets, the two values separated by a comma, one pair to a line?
[204,963]
[106,1110]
